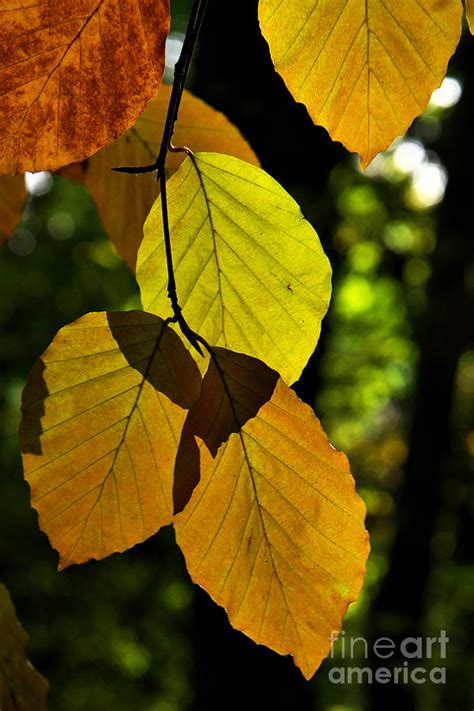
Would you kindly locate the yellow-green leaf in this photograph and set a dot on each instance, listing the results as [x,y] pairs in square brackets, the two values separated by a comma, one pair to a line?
[74,75]
[274,530]
[363,68]
[103,411]
[12,202]
[251,272]
[22,688]
[123,201]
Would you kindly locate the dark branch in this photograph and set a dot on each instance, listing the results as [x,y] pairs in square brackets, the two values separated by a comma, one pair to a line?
[180,74]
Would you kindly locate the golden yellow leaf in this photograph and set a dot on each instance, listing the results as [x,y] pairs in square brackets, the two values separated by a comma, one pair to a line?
[470,14]
[251,272]
[103,411]
[363,68]
[274,530]
[124,201]
[74,75]
[12,202]
[22,688]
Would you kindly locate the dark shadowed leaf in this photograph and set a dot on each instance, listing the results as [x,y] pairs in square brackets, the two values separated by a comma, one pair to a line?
[22,688]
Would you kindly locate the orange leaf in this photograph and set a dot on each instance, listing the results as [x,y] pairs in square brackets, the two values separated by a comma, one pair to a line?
[103,411]
[74,75]
[470,14]
[12,202]
[124,201]
[274,530]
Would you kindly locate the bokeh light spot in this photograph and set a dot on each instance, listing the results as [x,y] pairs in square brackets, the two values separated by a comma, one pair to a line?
[39,183]
[448,94]
[428,186]
[61,225]
[408,155]
[22,243]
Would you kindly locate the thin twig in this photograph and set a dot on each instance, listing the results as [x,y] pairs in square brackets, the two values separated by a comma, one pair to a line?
[180,73]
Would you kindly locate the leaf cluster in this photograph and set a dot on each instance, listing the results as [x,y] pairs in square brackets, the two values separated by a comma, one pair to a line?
[183,413]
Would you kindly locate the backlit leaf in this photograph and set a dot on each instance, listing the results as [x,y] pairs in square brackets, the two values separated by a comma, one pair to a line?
[74,75]
[251,272]
[470,14]
[12,202]
[363,68]
[123,201]
[22,688]
[274,530]
[103,411]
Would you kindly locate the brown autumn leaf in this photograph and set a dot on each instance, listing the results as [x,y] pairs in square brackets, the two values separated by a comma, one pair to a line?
[22,688]
[123,201]
[74,75]
[271,527]
[103,411]
[12,201]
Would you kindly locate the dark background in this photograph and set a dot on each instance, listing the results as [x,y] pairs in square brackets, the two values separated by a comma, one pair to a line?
[392,381]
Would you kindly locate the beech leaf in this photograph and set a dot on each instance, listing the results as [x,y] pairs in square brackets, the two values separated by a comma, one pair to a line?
[251,273]
[68,72]
[273,530]
[363,68]
[12,201]
[103,411]
[470,14]
[22,688]
[123,202]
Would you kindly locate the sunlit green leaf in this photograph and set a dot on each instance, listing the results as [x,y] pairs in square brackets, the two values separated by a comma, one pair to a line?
[251,272]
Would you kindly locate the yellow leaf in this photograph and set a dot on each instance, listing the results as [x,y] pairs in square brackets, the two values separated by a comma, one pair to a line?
[470,14]
[12,202]
[124,201]
[103,411]
[363,68]
[251,272]
[22,688]
[274,530]
[75,75]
